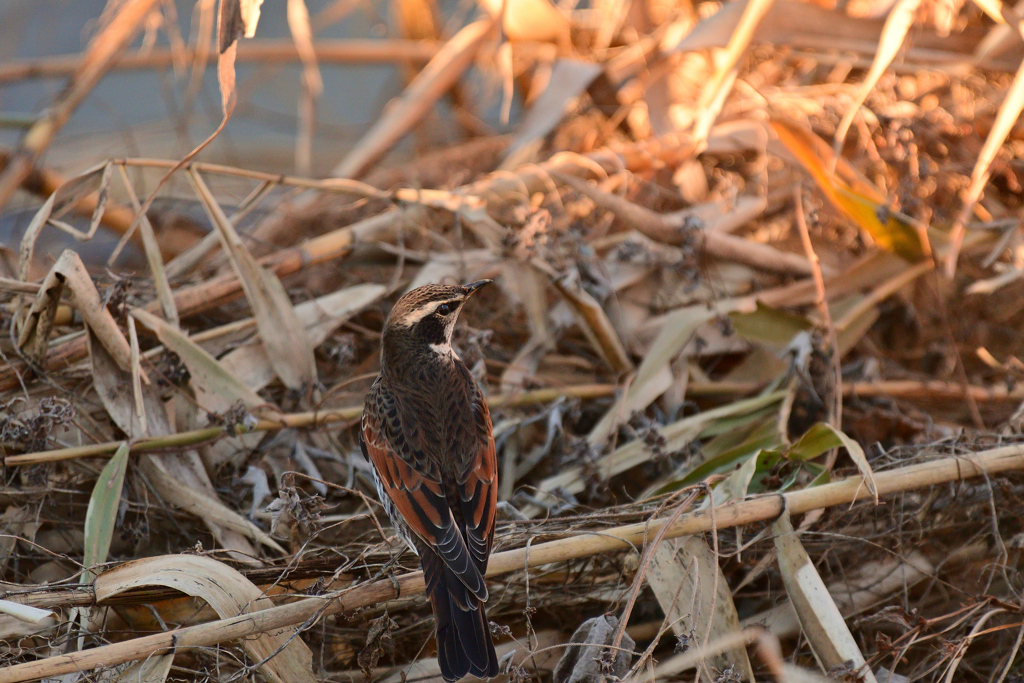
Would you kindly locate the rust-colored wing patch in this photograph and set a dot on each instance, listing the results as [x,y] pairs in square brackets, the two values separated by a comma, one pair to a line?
[421,502]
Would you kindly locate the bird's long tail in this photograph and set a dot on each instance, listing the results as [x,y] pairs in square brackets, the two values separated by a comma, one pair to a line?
[463,640]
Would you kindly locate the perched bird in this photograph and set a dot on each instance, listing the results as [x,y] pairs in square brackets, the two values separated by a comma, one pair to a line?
[427,432]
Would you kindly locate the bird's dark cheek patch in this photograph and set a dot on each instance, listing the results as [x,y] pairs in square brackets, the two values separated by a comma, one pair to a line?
[431,330]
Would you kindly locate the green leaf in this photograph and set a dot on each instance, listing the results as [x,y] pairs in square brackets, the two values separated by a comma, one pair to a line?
[822,437]
[762,437]
[815,441]
[101,514]
[770,326]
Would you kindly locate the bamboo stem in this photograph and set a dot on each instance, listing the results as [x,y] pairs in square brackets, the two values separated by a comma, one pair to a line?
[844,492]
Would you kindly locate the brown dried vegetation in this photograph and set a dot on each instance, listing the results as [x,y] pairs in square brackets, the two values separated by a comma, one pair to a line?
[741,251]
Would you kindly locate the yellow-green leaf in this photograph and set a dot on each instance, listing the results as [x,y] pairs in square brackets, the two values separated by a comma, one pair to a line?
[101,514]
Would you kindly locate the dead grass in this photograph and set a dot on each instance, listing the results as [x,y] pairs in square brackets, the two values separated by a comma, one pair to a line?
[721,285]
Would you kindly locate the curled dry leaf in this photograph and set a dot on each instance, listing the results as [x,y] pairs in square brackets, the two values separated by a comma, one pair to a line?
[70,193]
[282,657]
[595,323]
[236,18]
[69,272]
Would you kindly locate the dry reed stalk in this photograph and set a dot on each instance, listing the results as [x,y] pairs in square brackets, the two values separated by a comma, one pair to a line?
[306,612]
[104,46]
[218,290]
[436,78]
[336,244]
[715,242]
[306,420]
[43,182]
[327,185]
[260,51]
[901,389]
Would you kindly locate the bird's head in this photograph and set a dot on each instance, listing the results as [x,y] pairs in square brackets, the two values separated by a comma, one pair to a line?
[425,317]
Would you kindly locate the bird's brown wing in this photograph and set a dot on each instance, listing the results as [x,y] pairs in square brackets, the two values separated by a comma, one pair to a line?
[416,489]
[478,488]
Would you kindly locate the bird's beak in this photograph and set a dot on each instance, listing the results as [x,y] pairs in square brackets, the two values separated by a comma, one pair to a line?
[473,286]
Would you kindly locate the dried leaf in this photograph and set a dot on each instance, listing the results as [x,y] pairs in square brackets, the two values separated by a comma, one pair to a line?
[588,658]
[713,96]
[236,18]
[179,478]
[695,598]
[864,204]
[26,613]
[822,622]
[69,272]
[595,323]
[217,390]
[319,317]
[569,79]
[284,337]
[153,669]
[229,593]
[531,20]
[898,23]
[1009,112]
[153,256]
[636,452]
[653,377]
[63,199]
[838,438]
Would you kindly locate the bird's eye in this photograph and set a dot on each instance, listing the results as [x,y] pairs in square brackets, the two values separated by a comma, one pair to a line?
[444,309]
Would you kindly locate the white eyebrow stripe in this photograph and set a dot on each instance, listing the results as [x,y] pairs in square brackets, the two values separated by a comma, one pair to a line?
[421,313]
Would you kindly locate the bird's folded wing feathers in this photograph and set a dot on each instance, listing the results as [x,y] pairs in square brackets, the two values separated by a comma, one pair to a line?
[421,501]
[478,492]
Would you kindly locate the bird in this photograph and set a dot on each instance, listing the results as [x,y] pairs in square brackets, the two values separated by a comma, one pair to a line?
[426,431]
